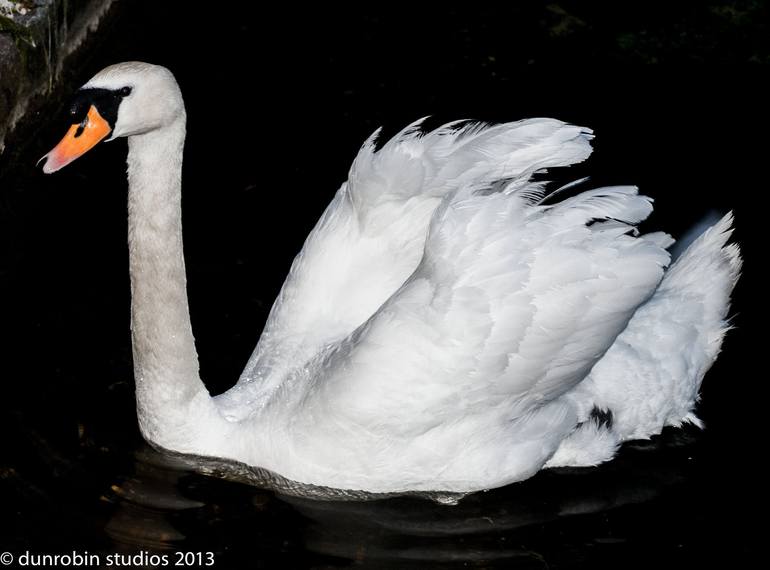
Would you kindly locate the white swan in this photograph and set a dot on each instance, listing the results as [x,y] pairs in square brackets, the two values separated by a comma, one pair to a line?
[443,328]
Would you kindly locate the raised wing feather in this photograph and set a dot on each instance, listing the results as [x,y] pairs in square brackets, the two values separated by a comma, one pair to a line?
[372,235]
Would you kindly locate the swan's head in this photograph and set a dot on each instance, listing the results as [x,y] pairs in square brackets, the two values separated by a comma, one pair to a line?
[122,100]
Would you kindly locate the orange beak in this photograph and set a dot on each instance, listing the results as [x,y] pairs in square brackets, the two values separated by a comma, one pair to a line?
[79,140]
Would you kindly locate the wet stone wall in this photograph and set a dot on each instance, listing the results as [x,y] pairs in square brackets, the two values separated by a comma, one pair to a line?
[37,37]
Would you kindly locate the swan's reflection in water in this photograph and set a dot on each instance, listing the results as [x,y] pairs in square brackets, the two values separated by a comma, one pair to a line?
[552,520]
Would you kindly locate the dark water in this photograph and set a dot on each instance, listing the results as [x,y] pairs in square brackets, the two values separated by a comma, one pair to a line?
[278,101]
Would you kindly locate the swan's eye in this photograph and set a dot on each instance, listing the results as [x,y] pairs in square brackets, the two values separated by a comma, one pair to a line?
[125,92]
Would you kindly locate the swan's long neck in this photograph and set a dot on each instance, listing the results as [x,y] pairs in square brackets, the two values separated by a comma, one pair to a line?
[168,385]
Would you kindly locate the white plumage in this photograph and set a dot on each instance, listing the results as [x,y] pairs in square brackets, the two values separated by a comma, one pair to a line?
[446,327]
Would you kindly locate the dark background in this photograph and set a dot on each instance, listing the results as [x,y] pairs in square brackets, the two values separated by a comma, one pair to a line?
[278,101]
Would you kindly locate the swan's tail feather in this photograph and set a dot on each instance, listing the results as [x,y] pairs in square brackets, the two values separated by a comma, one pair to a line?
[707,271]
[683,242]
[709,254]
[651,375]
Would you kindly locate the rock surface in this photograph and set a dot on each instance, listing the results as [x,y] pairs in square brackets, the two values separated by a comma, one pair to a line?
[36,39]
